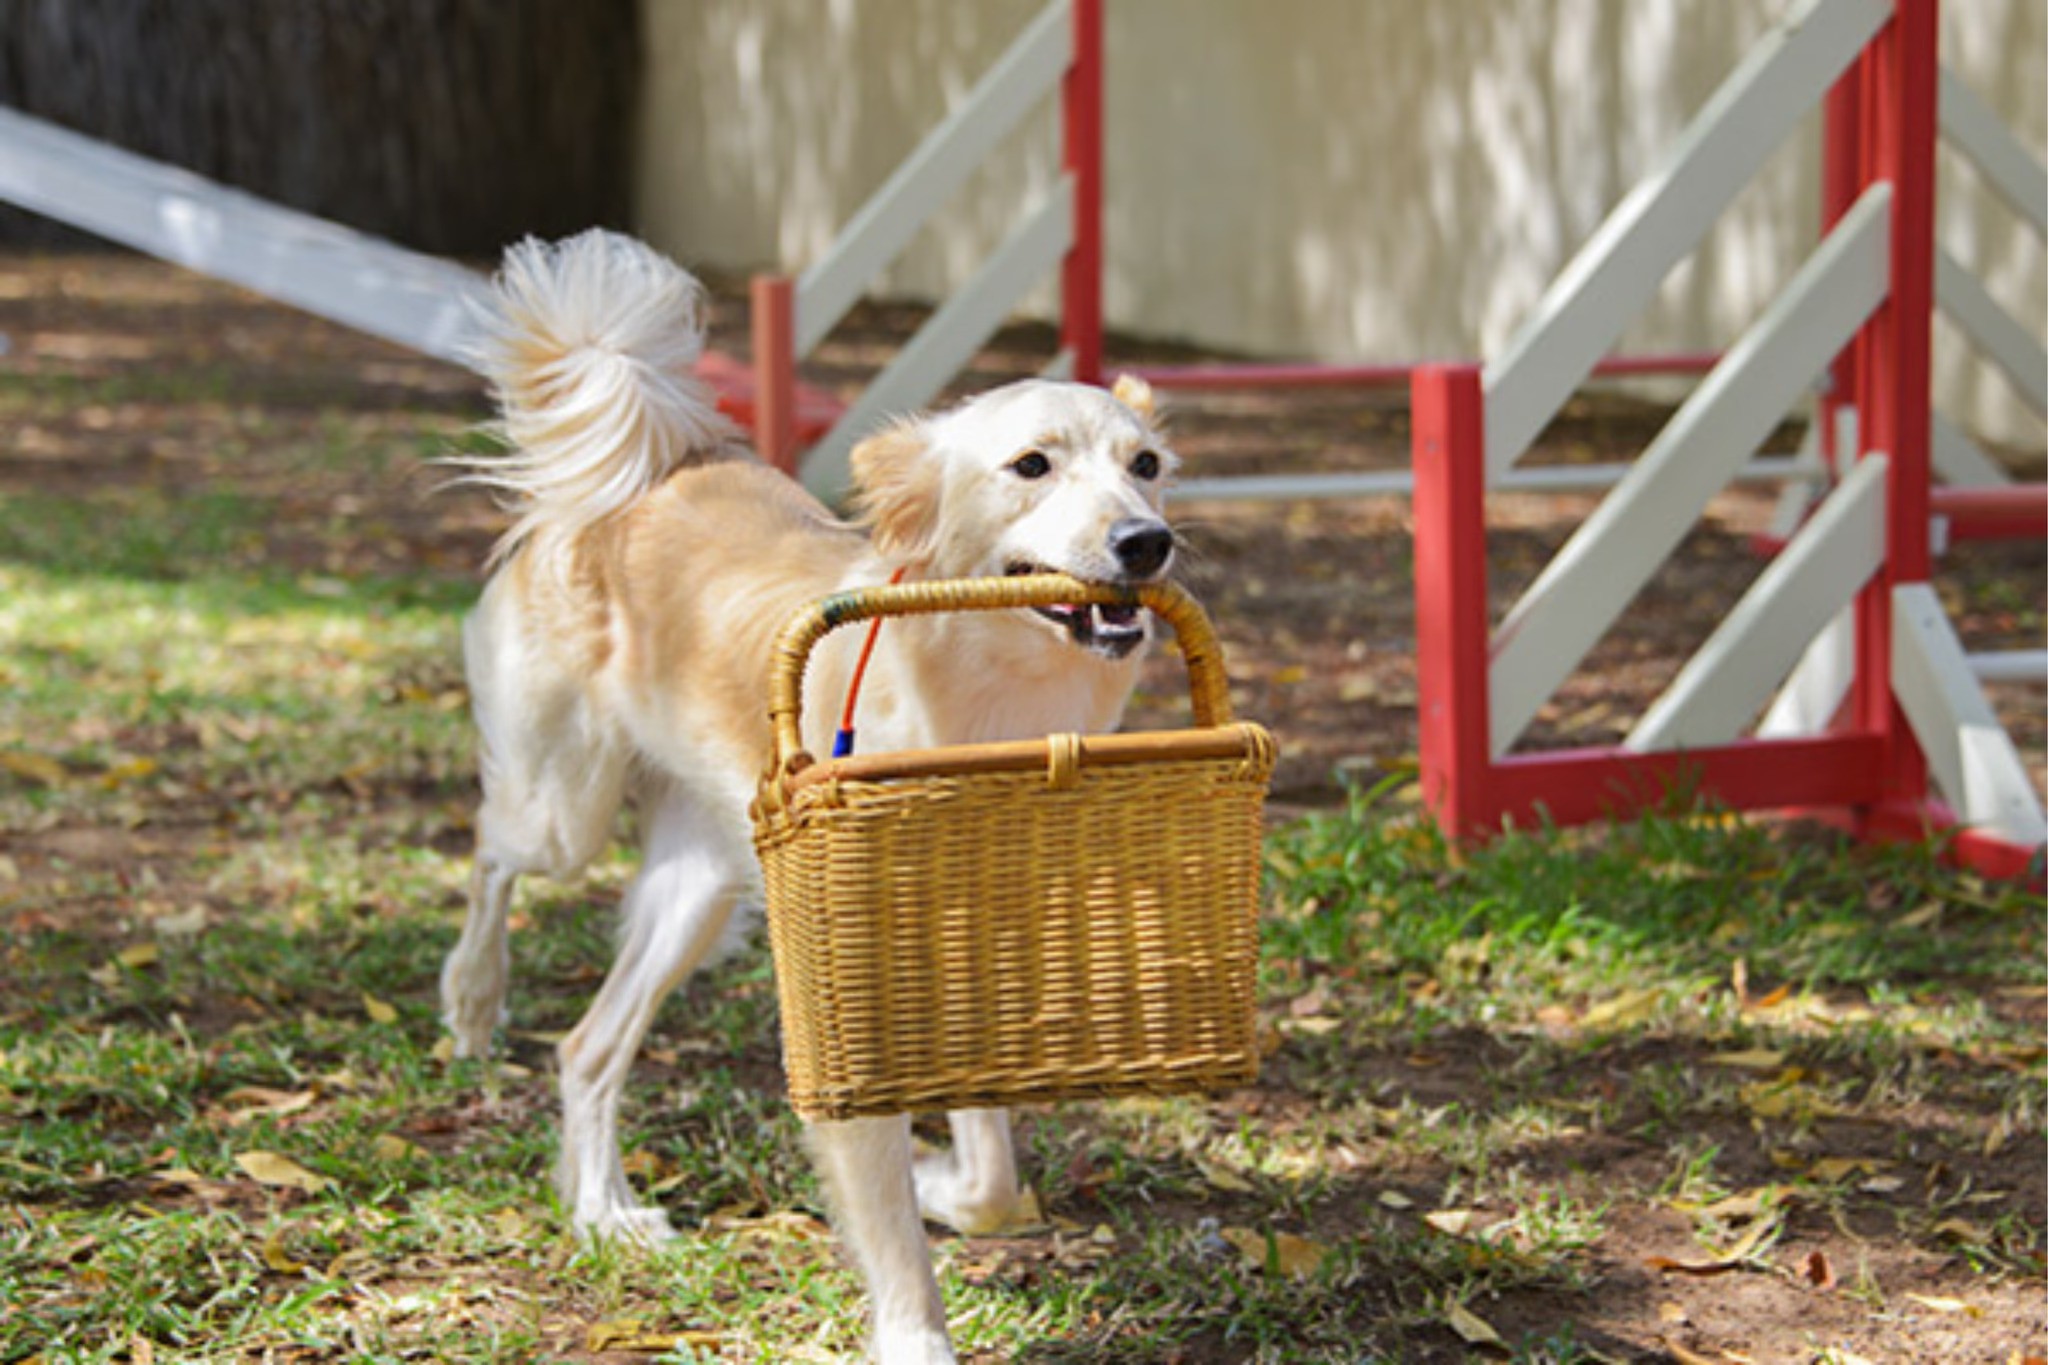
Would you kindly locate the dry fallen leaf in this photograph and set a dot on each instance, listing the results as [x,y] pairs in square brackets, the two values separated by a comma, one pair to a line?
[1772,1000]
[1750,1059]
[1787,1098]
[182,923]
[277,1257]
[1628,1008]
[268,1168]
[784,1224]
[632,1334]
[1920,918]
[1818,1272]
[35,767]
[256,1101]
[1472,1329]
[1833,1170]
[139,956]
[1675,1267]
[1735,1257]
[1453,1222]
[1748,1204]
[1280,1253]
[392,1147]
[1940,1304]
[127,771]
[1223,1178]
[378,1010]
[1684,1355]
[1964,1232]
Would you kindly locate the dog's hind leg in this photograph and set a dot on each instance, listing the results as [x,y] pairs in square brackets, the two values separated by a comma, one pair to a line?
[865,1166]
[973,1188]
[474,976]
[676,912]
[553,781]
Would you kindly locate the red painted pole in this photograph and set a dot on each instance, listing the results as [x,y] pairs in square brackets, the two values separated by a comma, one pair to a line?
[1893,376]
[1840,182]
[1081,129]
[773,308]
[1906,127]
[1451,630]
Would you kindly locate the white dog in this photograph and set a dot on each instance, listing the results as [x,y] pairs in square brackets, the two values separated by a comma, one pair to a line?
[621,651]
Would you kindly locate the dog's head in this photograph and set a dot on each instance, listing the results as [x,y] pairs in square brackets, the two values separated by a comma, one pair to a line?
[1031,477]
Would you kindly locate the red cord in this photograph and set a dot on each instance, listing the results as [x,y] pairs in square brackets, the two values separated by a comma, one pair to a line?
[843,743]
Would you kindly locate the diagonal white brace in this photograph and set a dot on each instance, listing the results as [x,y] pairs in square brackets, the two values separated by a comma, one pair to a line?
[1960,461]
[1613,275]
[1972,759]
[948,340]
[1996,333]
[2009,167]
[1013,87]
[1753,650]
[1606,562]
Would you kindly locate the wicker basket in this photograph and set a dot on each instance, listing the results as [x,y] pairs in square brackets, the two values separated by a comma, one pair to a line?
[998,924]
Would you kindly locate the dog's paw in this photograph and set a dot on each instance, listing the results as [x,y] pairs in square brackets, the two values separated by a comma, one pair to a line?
[950,1196]
[918,1345]
[471,1035]
[630,1223]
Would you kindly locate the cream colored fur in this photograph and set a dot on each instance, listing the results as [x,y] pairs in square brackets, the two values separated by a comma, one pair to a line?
[620,652]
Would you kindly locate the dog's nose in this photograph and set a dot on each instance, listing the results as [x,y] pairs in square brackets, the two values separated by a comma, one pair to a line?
[1142,546]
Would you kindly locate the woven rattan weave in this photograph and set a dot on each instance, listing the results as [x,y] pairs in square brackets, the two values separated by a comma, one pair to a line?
[1002,924]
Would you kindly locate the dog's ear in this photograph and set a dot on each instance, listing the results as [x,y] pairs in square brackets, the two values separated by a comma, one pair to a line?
[896,489]
[1135,394]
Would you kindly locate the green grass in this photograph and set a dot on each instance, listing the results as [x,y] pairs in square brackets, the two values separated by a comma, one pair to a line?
[235,795]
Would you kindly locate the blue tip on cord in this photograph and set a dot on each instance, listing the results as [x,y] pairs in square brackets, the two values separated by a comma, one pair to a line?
[842,744]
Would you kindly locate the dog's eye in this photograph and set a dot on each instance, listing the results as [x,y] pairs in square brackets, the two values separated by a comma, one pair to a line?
[1146,465]
[1032,464]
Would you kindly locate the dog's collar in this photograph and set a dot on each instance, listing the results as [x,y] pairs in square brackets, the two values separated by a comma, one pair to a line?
[842,741]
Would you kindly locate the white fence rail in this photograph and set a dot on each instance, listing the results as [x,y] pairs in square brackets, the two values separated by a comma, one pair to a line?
[335,272]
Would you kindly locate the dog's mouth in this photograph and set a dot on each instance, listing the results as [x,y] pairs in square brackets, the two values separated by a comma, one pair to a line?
[1111,630]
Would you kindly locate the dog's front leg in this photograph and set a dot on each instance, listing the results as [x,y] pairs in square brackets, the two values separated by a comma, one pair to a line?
[973,1188]
[865,1165]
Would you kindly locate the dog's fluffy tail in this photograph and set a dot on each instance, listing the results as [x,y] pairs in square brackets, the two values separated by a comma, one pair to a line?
[589,345]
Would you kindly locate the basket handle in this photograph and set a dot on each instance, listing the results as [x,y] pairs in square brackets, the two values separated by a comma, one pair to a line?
[1207,687]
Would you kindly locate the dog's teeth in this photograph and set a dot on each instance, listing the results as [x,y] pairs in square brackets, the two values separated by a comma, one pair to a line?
[1113,620]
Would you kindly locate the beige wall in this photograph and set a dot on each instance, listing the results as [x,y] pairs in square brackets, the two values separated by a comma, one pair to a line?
[1342,179]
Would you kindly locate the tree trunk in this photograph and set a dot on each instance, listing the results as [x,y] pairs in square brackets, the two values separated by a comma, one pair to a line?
[453,126]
